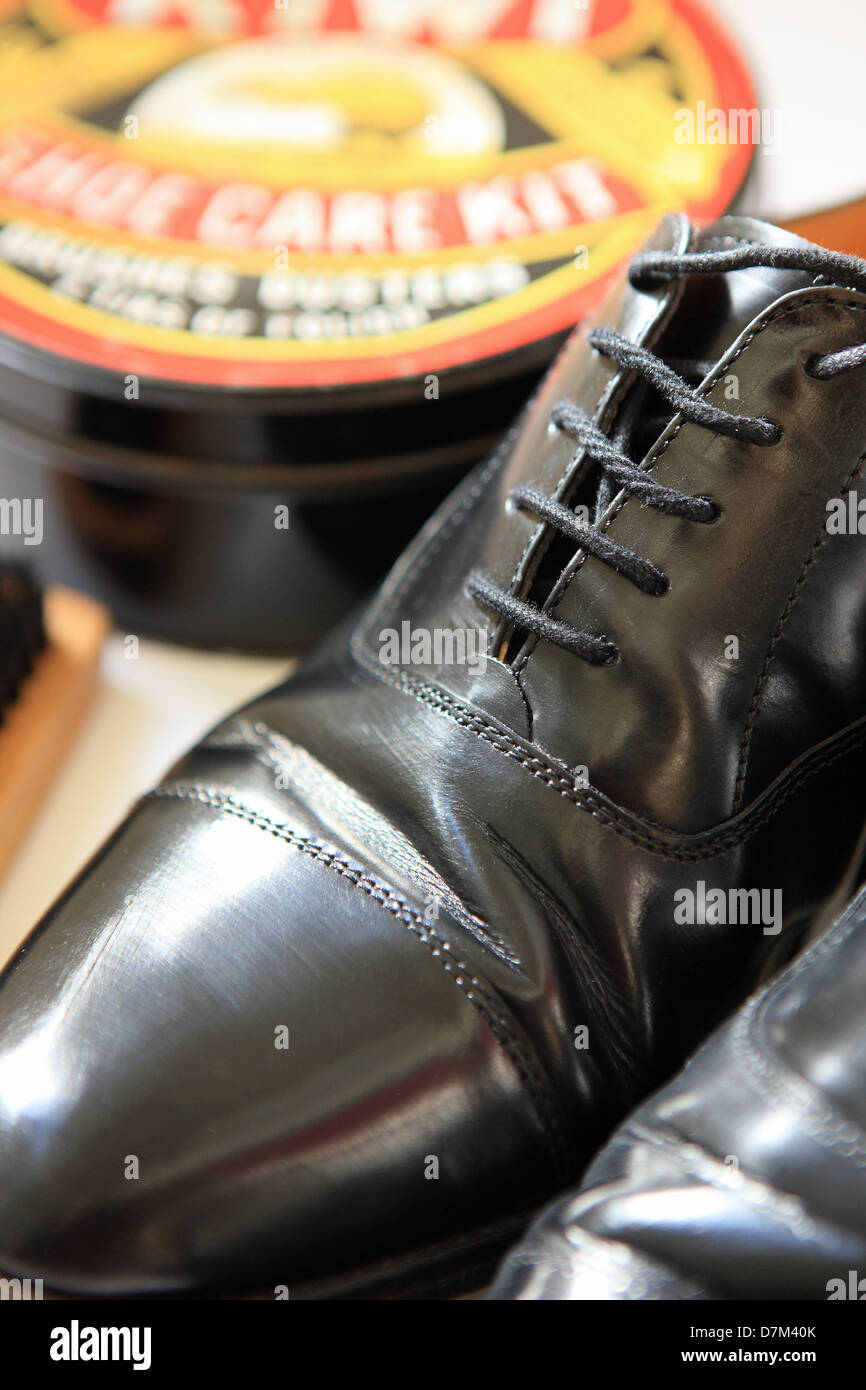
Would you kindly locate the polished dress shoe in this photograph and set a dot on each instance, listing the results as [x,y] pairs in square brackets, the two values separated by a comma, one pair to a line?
[378,966]
[744,1177]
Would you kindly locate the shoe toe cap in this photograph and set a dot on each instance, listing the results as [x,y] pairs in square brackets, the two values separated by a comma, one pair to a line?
[230,1059]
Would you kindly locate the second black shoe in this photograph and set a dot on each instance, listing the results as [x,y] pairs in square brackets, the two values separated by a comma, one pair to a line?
[742,1178]
[378,965]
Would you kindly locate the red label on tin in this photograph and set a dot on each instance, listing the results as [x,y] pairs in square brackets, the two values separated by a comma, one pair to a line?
[314,192]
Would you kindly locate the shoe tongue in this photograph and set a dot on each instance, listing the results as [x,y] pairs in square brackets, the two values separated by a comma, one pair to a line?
[725,304]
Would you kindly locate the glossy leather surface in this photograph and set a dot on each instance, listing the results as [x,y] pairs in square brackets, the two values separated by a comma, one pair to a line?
[743,1178]
[404,868]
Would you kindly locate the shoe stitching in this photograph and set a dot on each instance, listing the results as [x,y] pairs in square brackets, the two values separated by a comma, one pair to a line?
[540,766]
[471,986]
[780,1085]
[700,1163]
[803,576]
[702,845]
[258,738]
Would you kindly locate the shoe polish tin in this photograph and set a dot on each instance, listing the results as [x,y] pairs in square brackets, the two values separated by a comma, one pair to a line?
[275,273]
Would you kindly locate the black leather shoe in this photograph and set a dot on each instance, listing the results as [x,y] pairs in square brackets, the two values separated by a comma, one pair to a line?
[379,965]
[743,1178]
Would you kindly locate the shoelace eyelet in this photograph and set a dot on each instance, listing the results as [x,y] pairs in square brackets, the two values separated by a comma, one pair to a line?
[771,442]
[644,280]
[715,510]
[809,362]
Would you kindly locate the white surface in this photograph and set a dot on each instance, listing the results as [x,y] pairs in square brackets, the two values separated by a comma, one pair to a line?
[147,714]
[809,62]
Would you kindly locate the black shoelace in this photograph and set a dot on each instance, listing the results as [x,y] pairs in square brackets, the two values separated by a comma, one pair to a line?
[652,267]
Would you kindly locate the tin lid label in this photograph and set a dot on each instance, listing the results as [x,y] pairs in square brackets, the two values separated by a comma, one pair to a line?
[297,193]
